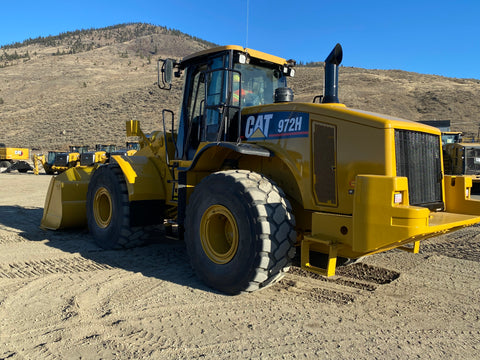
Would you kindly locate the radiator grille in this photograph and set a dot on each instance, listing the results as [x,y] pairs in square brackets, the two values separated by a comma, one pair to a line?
[61,159]
[418,159]
[87,159]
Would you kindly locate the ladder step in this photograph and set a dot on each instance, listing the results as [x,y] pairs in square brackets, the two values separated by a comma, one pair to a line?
[332,256]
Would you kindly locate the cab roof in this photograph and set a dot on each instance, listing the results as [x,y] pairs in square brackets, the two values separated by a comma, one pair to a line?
[252,53]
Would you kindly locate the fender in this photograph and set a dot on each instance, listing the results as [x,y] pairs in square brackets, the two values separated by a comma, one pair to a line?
[144,179]
[201,162]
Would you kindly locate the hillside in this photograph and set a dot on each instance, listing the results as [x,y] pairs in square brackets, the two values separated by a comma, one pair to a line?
[80,87]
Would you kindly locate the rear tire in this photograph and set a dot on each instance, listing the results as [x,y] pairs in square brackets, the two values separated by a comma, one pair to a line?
[108,210]
[239,231]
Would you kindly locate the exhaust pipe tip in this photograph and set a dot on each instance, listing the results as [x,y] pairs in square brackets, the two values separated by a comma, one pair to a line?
[335,56]
[332,63]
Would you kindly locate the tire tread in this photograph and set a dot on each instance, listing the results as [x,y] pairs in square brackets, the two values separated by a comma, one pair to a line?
[274,220]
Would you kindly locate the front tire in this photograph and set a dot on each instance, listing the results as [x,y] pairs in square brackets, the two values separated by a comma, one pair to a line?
[239,231]
[108,210]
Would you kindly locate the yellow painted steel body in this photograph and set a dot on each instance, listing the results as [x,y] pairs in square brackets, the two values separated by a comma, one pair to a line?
[66,198]
[361,217]
[38,158]
[100,157]
[7,153]
[65,204]
[339,173]
[143,177]
[253,53]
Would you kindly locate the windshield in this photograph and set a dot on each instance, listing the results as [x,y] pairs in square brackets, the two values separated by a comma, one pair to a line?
[450,138]
[51,157]
[258,84]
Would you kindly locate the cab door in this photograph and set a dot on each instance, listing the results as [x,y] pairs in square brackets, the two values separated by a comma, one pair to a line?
[204,102]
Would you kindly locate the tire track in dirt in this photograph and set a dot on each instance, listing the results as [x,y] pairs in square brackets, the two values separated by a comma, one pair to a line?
[35,268]
[463,244]
[40,351]
[345,287]
[10,239]
[155,337]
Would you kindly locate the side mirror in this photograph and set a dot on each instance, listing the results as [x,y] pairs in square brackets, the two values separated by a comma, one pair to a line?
[166,72]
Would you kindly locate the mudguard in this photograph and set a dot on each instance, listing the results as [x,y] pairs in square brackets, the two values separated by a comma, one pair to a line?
[144,177]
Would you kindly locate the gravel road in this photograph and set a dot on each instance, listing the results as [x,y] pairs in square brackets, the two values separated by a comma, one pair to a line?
[62,297]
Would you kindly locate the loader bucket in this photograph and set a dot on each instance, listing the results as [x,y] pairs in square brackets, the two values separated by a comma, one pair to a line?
[65,204]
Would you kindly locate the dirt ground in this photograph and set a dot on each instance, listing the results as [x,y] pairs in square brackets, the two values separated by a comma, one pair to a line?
[62,297]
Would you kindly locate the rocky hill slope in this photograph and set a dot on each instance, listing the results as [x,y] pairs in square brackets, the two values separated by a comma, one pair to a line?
[80,87]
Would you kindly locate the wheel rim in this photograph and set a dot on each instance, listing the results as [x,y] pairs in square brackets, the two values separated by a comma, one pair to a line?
[102,207]
[219,234]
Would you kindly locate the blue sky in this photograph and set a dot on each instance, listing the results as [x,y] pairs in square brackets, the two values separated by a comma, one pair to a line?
[431,37]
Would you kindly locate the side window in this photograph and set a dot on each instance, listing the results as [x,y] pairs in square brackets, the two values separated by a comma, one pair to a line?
[216,97]
[205,90]
[196,102]
[216,88]
[195,109]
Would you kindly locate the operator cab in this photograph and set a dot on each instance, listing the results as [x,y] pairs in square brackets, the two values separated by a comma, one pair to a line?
[218,83]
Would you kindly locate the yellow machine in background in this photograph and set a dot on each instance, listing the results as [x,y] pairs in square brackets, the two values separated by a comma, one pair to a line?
[100,156]
[47,161]
[250,176]
[14,159]
[132,147]
[59,161]
[450,137]
[463,159]
[66,160]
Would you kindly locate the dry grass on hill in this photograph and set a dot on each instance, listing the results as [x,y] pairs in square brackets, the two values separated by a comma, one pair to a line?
[51,101]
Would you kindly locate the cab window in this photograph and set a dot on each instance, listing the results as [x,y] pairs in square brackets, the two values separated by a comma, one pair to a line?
[258,84]
[206,92]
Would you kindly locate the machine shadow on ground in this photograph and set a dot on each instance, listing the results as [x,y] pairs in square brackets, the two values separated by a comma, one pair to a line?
[163,257]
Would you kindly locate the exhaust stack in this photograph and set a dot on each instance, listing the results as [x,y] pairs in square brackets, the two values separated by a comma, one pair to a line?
[332,62]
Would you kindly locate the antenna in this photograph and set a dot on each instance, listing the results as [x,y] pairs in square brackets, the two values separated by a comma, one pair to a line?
[246,37]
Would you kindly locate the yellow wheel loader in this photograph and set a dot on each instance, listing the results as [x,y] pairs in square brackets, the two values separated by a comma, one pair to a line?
[71,158]
[249,176]
[100,155]
[131,148]
[462,158]
[59,161]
